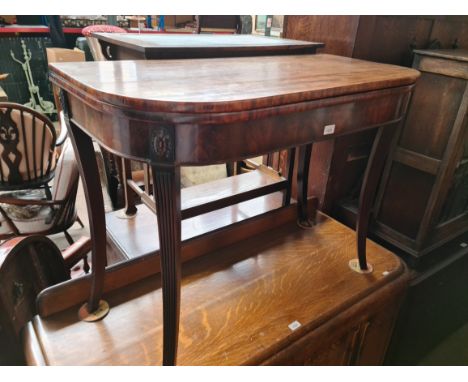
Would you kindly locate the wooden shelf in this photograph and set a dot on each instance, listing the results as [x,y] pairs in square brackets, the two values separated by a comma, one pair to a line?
[210,196]
[244,186]
[237,303]
[132,238]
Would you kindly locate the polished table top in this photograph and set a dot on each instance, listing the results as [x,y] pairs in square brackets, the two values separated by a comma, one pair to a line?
[225,84]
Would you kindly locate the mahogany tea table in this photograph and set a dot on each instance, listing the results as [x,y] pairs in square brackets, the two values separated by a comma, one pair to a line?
[170,113]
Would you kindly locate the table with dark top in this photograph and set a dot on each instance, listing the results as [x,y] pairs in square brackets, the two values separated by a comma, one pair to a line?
[124,46]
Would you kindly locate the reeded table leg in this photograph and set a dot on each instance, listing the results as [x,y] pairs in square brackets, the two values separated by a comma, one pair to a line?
[166,181]
[377,158]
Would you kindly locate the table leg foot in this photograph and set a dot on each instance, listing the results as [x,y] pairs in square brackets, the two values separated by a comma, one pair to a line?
[98,314]
[356,267]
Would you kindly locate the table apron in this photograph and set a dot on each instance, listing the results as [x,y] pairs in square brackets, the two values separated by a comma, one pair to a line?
[194,139]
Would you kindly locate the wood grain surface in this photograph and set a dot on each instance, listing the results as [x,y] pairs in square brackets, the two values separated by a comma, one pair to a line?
[236,303]
[224,84]
[337,32]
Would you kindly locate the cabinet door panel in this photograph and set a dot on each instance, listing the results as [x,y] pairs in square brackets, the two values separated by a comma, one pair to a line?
[432,112]
[405,199]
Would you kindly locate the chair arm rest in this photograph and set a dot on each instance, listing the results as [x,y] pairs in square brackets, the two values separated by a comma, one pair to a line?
[77,251]
[63,130]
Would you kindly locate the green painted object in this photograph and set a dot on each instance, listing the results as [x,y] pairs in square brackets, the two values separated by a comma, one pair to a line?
[36,102]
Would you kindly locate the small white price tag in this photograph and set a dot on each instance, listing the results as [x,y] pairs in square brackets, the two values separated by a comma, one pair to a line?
[328,129]
[294,325]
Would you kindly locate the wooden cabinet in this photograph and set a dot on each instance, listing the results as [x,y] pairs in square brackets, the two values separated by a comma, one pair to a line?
[422,202]
[268,299]
[388,39]
[429,165]
[357,338]
[418,180]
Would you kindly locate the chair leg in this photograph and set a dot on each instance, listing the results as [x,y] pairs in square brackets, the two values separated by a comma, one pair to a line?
[47,191]
[86,266]
[68,237]
[79,222]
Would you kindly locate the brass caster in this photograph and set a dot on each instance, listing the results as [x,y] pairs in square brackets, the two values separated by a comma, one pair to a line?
[97,315]
[354,265]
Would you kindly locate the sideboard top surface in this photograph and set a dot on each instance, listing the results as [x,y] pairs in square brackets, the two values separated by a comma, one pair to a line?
[224,84]
[239,305]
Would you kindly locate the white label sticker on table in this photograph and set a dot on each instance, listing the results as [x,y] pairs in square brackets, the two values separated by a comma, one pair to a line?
[329,129]
[294,325]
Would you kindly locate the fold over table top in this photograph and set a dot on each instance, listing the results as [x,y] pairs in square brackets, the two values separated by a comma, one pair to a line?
[225,84]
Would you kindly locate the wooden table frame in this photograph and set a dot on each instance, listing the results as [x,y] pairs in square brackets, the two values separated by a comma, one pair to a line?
[165,144]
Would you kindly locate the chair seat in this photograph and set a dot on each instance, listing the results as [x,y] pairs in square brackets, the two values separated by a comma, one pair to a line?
[28,219]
